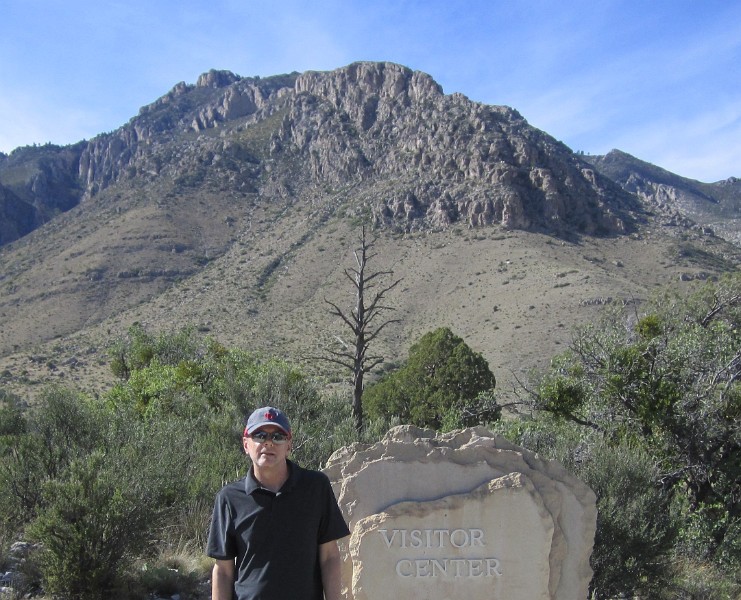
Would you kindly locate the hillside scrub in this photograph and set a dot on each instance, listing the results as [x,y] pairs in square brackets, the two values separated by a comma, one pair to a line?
[102,484]
[95,487]
[644,407]
[653,396]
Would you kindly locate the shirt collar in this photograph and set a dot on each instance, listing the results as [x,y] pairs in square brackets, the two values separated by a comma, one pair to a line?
[252,485]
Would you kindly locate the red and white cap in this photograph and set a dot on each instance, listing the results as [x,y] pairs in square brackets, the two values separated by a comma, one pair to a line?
[267,415]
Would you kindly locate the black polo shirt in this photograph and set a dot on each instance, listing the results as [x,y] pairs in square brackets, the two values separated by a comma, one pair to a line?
[275,537]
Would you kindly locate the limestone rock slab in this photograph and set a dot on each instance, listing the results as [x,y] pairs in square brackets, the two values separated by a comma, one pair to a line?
[413,471]
[493,542]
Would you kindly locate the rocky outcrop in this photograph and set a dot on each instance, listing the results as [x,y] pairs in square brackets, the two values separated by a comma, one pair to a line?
[439,515]
[36,184]
[413,156]
[450,159]
[425,159]
[17,218]
[156,142]
[677,201]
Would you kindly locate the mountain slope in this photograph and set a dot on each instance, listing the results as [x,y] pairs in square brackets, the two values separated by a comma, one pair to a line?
[230,205]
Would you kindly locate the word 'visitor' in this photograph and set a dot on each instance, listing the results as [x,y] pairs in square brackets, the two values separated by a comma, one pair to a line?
[433,538]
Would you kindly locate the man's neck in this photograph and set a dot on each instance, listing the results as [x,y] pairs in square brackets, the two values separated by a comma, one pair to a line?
[271,478]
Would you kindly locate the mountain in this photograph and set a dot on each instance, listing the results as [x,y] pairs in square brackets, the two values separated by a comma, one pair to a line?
[714,205]
[447,159]
[232,205]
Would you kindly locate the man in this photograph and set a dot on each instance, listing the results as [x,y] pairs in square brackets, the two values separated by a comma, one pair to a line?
[274,532]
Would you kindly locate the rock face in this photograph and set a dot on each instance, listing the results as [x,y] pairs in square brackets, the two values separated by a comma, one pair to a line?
[380,134]
[465,514]
[159,141]
[17,218]
[36,184]
[413,157]
[450,159]
[677,200]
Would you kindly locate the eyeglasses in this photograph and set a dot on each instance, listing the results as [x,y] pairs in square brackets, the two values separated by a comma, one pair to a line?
[277,437]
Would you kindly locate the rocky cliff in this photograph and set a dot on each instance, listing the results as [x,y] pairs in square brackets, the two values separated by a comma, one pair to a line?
[680,201]
[37,184]
[449,159]
[414,157]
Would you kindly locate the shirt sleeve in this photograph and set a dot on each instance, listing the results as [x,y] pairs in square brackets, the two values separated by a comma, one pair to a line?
[333,523]
[221,544]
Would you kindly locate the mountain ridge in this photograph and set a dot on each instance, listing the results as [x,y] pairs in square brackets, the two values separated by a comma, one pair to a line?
[222,96]
[498,146]
[713,205]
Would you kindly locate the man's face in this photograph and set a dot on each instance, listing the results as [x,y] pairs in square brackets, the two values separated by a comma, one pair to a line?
[268,453]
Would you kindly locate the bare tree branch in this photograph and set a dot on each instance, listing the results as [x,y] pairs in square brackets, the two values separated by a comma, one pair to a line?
[719,305]
[359,320]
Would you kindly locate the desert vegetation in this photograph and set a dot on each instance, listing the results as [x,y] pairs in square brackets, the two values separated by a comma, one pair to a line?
[645,406]
[115,491]
[118,489]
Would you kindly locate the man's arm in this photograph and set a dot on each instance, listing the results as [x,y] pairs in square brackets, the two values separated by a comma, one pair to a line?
[222,580]
[330,564]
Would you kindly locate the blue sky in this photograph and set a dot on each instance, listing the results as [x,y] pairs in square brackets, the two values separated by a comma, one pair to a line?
[656,78]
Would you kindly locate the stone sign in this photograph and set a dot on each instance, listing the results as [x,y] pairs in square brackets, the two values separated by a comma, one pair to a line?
[465,514]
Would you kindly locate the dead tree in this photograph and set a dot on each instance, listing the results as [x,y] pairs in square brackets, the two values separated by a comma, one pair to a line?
[362,321]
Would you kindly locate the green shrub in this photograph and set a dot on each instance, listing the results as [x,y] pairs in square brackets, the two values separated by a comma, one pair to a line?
[321,428]
[636,520]
[443,381]
[92,485]
[653,403]
[666,378]
[105,507]
[11,416]
[61,429]
[636,523]
[105,486]
[88,527]
[195,380]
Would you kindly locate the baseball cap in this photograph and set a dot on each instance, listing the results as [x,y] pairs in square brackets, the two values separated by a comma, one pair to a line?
[267,415]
